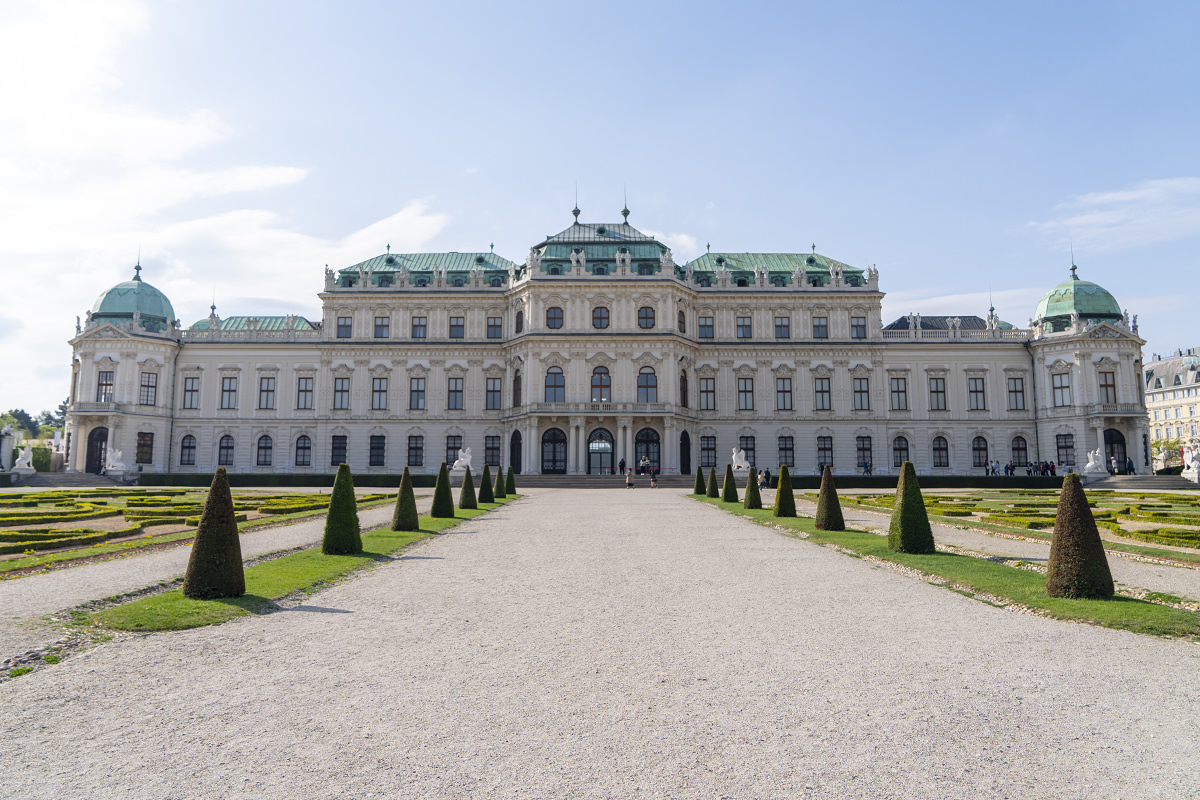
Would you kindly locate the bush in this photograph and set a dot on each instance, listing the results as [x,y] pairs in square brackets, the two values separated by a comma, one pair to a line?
[829,509]
[443,501]
[729,491]
[713,489]
[500,490]
[910,531]
[466,492]
[215,565]
[1175,470]
[404,517]
[41,459]
[753,499]
[510,483]
[486,495]
[699,488]
[342,534]
[1078,567]
[785,501]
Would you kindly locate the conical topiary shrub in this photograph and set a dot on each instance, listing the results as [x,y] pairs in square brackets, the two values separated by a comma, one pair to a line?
[700,487]
[486,495]
[714,489]
[910,531]
[342,535]
[785,501]
[215,566]
[1078,567]
[729,490]
[404,517]
[510,483]
[753,499]
[466,493]
[500,490]
[443,501]
[829,510]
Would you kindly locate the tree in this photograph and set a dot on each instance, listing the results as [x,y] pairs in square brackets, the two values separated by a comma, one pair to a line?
[443,501]
[910,531]
[500,490]
[829,508]
[699,488]
[713,489]
[729,490]
[466,493]
[215,565]
[342,534]
[486,494]
[1078,567]
[510,483]
[22,420]
[1166,449]
[60,413]
[753,498]
[785,501]
[404,517]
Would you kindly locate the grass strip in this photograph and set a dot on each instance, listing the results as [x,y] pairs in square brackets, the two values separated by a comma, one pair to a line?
[307,571]
[1017,586]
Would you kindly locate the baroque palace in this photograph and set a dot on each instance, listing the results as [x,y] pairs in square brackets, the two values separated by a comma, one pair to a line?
[601,348]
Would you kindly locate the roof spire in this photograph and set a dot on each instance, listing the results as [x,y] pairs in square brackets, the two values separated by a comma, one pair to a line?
[575,210]
[625,210]
[814,247]
[1074,277]
[137,269]
[708,248]
[492,247]
[389,248]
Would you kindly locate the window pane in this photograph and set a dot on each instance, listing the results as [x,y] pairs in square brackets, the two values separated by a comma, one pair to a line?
[383,327]
[418,327]
[554,318]
[266,393]
[820,327]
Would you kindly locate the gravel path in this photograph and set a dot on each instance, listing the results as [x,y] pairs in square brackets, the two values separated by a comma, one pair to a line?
[605,643]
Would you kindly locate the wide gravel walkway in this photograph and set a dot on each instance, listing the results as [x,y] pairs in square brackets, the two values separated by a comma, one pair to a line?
[606,643]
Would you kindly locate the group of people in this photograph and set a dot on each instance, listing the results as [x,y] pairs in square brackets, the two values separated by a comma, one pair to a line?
[643,467]
[764,479]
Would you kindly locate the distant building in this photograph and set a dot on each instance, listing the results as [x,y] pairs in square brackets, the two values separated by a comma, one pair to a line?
[1172,389]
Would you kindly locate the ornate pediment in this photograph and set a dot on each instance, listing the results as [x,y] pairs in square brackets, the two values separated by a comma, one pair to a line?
[821,370]
[106,331]
[1060,365]
[861,371]
[647,359]
[601,359]
[555,360]
[1106,331]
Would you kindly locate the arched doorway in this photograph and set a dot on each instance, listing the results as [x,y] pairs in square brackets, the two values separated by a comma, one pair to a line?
[554,452]
[97,450]
[1114,447]
[646,444]
[514,452]
[600,453]
[685,454]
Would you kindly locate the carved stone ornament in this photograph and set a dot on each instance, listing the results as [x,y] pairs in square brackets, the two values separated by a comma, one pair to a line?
[1104,333]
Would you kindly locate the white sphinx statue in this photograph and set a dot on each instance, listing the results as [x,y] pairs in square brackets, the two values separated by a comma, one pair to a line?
[115,462]
[25,460]
[463,462]
[1095,465]
[739,459]
[1191,463]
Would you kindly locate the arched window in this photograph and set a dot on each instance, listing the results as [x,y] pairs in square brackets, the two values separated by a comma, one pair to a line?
[705,282]
[682,322]
[646,445]
[496,282]
[941,452]
[458,282]
[422,281]
[600,271]
[777,280]
[520,326]
[555,271]
[187,451]
[1020,451]
[516,393]
[600,317]
[554,317]
[645,269]
[225,451]
[554,452]
[683,389]
[556,385]
[742,282]
[601,385]
[645,317]
[647,386]
[265,448]
[979,451]
[303,451]
[899,451]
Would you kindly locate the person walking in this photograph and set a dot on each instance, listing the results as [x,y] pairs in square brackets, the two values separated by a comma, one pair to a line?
[767,477]
[653,480]
[1129,466]
[629,479]
[1112,461]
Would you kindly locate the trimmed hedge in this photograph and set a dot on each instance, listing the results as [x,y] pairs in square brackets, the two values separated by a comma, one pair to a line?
[404,516]
[753,498]
[1078,567]
[215,566]
[443,501]
[486,494]
[510,483]
[699,487]
[829,509]
[466,492]
[729,490]
[52,544]
[785,499]
[713,489]
[500,490]
[343,535]
[909,531]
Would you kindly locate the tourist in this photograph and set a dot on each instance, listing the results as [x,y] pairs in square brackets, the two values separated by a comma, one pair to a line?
[621,466]
[629,479]
[1129,466]
[1052,469]
[767,477]
[1113,463]
[653,481]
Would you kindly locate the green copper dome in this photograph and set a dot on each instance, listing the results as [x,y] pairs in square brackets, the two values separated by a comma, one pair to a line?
[120,302]
[1090,300]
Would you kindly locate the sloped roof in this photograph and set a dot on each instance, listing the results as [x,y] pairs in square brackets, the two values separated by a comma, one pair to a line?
[1090,300]
[600,233]
[273,323]
[969,323]
[771,262]
[426,262]
[1186,368]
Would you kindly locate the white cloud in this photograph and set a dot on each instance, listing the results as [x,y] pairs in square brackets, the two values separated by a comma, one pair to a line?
[684,246]
[1150,212]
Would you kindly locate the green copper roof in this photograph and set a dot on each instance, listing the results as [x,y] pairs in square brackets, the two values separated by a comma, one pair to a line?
[1089,299]
[277,323]
[602,233]
[426,262]
[119,303]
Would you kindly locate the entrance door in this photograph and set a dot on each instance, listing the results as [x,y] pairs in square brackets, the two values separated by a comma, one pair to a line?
[646,444]
[554,452]
[97,450]
[685,454]
[514,452]
[600,453]
[1114,447]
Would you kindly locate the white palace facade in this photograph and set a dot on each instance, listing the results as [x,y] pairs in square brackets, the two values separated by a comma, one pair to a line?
[600,348]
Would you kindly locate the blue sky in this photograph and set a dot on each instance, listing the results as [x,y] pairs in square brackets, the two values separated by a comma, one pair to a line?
[961,148]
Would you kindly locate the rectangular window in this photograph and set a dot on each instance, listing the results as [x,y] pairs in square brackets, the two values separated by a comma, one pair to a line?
[191,392]
[341,393]
[745,394]
[976,396]
[820,327]
[787,451]
[862,394]
[266,393]
[1108,387]
[862,452]
[337,451]
[454,395]
[899,394]
[858,327]
[228,392]
[379,391]
[453,445]
[495,327]
[745,330]
[825,451]
[822,397]
[783,327]
[418,327]
[1016,394]
[492,395]
[304,394]
[1061,384]
[345,327]
[416,394]
[783,394]
[145,448]
[378,452]
[491,450]
[383,327]
[148,395]
[1066,449]
[708,394]
[937,394]
[746,443]
[706,327]
[416,451]
[457,325]
[708,451]
[104,386]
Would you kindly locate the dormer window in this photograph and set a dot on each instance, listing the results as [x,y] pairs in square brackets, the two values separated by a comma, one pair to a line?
[457,282]
[742,282]
[645,269]
[810,260]
[705,282]
[777,280]
[600,271]
[496,282]
[555,271]
[422,281]
[385,281]
[347,282]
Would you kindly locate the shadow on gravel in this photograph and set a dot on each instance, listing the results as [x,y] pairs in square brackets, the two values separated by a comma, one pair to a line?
[419,558]
[322,610]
